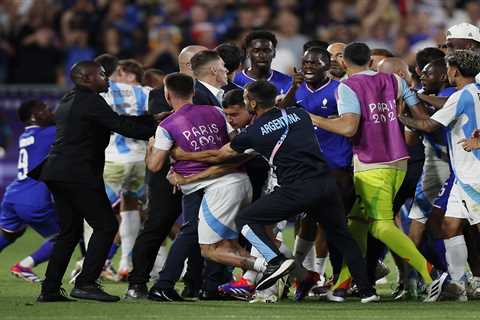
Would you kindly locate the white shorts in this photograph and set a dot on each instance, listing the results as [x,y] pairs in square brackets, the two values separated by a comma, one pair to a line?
[464,202]
[124,179]
[221,203]
[429,185]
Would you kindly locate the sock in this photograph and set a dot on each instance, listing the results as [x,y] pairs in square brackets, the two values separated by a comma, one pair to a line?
[159,261]
[309,261]
[402,245]
[250,276]
[456,254]
[27,262]
[320,265]
[257,236]
[4,242]
[128,230]
[301,248]
[43,253]
[113,251]
[260,264]
[87,233]
[285,250]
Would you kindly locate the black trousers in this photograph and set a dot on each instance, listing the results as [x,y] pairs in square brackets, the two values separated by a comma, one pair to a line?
[164,209]
[73,203]
[319,198]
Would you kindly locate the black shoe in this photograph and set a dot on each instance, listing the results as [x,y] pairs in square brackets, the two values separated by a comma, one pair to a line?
[59,296]
[189,292]
[274,272]
[214,295]
[136,291]
[92,292]
[165,295]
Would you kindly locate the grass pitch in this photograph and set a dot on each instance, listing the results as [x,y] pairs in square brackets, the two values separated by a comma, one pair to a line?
[17,301]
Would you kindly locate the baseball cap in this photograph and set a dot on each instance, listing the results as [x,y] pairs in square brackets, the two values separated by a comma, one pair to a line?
[464,31]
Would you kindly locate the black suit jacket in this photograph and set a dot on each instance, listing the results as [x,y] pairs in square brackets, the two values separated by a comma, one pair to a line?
[231,86]
[205,95]
[84,122]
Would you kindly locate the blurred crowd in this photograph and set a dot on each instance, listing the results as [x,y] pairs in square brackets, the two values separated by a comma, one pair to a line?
[41,39]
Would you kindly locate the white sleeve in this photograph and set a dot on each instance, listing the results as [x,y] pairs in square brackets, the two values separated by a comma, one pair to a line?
[448,112]
[163,140]
[108,97]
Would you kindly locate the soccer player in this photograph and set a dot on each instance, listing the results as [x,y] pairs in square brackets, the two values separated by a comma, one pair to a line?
[459,115]
[124,173]
[286,137]
[368,109]
[260,49]
[28,202]
[197,128]
[317,96]
[378,55]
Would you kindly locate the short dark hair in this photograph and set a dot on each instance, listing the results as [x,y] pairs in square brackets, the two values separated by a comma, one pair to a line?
[381,52]
[466,61]
[26,109]
[232,98]
[427,55]
[260,34]
[321,51]
[357,53]
[231,55]
[132,66]
[315,43]
[202,58]
[263,92]
[109,63]
[439,63]
[150,74]
[180,84]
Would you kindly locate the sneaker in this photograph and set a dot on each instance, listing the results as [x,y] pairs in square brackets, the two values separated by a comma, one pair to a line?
[59,296]
[76,271]
[454,290]
[435,288]
[92,291]
[165,295]
[320,291]
[109,272]
[473,286]
[136,291]
[337,295]
[399,293]
[189,292]
[369,296]
[268,295]
[381,271]
[306,285]
[275,271]
[26,274]
[241,289]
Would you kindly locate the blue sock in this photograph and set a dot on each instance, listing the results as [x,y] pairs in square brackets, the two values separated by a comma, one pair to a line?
[4,242]
[113,250]
[43,253]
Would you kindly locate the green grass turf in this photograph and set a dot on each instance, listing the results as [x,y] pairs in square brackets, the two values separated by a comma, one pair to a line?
[17,301]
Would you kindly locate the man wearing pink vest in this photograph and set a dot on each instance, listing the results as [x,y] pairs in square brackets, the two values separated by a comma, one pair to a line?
[367,104]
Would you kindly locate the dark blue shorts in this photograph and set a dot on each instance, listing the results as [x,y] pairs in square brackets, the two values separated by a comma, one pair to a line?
[15,217]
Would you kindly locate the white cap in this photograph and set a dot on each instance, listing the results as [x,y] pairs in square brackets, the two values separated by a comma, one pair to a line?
[464,31]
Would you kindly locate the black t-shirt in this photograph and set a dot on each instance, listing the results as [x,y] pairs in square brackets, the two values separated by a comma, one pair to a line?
[298,158]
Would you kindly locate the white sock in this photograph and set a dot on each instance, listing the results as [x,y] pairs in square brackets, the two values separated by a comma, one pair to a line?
[250,276]
[128,230]
[309,261]
[260,264]
[285,250]
[320,265]
[27,262]
[159,261]
[87,233]
[456,254]
[301,248]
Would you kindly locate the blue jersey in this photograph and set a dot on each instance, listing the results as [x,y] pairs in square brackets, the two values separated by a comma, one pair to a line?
[281,81]
[33,146]
[336,149]
[436,142]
